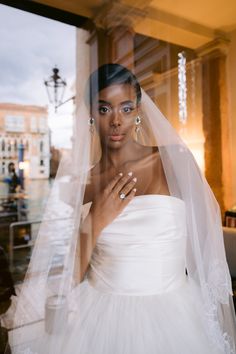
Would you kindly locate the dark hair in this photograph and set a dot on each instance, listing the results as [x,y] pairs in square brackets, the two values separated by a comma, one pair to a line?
[107,75]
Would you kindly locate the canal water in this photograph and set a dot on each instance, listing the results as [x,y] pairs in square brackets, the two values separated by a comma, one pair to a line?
[36,193]
[35,199]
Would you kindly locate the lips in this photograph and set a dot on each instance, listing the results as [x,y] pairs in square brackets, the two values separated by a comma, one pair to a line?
[116,137]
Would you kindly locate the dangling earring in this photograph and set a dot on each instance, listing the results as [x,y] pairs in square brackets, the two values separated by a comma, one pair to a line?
[91,121]
[138,124]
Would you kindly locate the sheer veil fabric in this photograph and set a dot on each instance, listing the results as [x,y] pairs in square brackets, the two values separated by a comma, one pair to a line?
[50,276]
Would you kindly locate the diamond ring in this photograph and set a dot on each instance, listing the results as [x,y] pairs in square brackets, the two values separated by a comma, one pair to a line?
[122,195]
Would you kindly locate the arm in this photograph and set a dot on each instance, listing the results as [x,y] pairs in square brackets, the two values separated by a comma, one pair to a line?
[106,206]
[86,242]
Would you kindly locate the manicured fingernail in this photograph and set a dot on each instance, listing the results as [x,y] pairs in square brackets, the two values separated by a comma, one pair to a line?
[135,179]
[130,173]
[120,174]
[134,189]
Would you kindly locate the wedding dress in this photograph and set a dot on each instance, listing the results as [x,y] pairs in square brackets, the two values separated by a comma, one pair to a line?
[137,298]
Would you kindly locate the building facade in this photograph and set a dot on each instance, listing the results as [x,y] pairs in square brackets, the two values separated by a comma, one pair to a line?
[25,127]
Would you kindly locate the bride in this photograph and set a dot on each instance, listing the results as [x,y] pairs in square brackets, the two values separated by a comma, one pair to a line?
[145,268]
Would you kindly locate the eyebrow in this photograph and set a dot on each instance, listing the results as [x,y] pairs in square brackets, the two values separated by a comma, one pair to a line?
[125,102]
[102,101]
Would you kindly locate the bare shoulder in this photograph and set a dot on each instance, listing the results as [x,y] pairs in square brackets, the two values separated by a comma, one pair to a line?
[160,172]
[156,157]
[157,162]
[152,154]
[152,173]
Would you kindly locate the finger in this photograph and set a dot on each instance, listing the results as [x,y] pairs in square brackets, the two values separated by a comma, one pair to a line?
[121,183]
[130,196]
[129,186]
[113,182]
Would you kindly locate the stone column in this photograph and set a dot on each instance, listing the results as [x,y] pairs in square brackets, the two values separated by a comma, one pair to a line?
[216,122]
[112,39]
[122,46]
[115,45]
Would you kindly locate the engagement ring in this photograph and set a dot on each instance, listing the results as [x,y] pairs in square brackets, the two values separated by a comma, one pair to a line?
[122,195]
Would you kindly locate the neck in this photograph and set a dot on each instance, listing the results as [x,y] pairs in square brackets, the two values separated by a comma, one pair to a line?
[116,158]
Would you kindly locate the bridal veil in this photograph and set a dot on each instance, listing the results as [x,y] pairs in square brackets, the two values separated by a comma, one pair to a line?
[44,302]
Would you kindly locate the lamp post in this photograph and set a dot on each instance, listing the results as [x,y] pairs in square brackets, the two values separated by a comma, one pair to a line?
[55,87]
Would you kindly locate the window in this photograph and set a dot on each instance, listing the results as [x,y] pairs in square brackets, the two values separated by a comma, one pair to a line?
[3,145]
[41,146]
[14,123]
[42,125]
[27,145]
[33,125]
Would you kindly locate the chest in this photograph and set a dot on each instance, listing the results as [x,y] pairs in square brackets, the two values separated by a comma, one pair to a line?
[150,179]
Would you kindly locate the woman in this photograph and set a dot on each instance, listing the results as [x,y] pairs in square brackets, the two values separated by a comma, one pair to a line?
[125,165]
[148,264]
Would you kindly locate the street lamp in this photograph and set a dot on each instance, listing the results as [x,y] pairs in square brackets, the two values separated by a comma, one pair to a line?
[55,87]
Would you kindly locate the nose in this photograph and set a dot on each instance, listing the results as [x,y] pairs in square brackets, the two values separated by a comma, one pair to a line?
[115,119]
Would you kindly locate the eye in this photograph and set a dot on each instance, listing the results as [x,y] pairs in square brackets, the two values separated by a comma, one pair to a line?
[127,109]
[104,109]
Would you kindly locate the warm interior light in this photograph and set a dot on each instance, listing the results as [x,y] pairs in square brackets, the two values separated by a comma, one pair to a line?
[21,165]
[24,165]
[182,87]
[198,153]
[26,168]
[196,146]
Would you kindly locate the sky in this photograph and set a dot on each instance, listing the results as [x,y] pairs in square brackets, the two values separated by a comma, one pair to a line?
[30,46]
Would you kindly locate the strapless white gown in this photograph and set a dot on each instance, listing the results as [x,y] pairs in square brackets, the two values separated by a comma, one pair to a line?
[137,298]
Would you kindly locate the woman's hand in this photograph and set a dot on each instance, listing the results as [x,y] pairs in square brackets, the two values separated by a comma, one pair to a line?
[107,204]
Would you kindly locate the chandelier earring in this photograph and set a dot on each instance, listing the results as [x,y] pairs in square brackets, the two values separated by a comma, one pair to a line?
[137,123]
[91,122]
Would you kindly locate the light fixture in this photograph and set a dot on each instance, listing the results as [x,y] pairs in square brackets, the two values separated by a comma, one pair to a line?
[182,87]
[55,87]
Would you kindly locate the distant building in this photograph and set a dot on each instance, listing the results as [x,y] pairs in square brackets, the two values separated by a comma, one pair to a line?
[27,125]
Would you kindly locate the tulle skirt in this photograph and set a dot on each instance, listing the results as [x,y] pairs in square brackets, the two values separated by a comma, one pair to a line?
[103,323]
[108,323]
